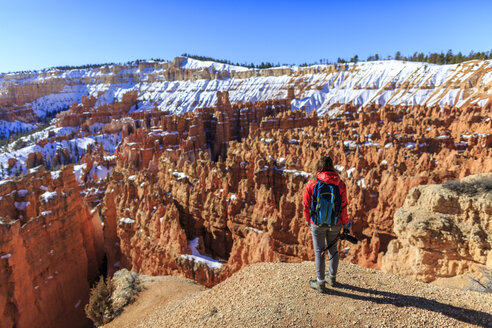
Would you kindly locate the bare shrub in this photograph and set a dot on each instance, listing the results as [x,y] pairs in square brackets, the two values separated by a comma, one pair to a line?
[100,309]
[470,188]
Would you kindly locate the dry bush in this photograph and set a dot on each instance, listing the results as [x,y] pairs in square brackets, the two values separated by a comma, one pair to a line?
[100,308]
[469,188]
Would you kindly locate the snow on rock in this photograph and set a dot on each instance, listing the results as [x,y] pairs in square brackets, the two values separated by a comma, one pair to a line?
[254,230]
[10,128]
[100,171]
[127,220]
[350,144]
[379,82]
[74,146]
[78,170]
[55,174]
[197,257]
[6,256]
[179,175]
[190,63]
[297,173]
[48,195]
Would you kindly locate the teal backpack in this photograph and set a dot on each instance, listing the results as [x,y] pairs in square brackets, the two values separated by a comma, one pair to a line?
[326,204]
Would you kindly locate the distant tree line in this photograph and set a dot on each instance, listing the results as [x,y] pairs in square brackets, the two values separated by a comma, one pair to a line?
[89,66]
[434,58]
[262,65]
[128,63]
[439,58]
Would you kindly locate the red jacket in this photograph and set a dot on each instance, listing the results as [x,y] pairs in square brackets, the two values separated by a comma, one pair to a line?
[329,177]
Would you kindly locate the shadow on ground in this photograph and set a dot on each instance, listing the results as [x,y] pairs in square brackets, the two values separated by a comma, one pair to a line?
[474,317]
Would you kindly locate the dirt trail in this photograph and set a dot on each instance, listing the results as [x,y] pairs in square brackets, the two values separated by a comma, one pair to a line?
[157,293]
[278,295]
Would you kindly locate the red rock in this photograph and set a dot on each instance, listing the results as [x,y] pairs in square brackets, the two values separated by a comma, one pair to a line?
[247,206]
[51,249]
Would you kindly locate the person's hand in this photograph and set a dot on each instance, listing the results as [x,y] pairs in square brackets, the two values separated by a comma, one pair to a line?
[348,226]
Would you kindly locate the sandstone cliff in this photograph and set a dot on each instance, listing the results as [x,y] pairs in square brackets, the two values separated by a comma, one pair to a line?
[50,249]
[444,231]
[170,208]
[204,194]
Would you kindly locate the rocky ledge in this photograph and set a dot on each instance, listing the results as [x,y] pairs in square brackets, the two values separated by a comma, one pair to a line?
[277,294]
[444,231]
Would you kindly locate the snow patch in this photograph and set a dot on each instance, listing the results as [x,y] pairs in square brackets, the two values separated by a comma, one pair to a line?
[127,220]
[55,174]
[197,257]
[47,196]
[179,175]
[350,171]
[254,230]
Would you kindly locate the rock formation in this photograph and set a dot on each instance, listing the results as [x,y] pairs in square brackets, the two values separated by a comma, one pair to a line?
[50,251]
[202,194]
[245,207]
[443,231]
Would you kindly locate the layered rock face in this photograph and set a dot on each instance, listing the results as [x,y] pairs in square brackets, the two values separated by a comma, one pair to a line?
[50,249]
[443,231]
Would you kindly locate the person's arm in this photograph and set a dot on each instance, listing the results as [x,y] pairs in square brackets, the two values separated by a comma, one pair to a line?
[344,215]
[308,193]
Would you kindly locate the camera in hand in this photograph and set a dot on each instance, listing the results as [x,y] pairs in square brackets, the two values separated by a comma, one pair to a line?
[345,236]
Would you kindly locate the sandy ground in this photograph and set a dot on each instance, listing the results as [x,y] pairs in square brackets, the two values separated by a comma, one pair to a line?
[157,293]
[278,295]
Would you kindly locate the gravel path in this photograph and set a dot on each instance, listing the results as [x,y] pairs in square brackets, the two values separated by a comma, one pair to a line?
[278,295]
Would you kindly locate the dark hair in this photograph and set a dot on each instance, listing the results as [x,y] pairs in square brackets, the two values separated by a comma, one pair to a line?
[325,163]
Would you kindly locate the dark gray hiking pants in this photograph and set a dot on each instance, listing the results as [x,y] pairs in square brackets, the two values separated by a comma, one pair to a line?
[320,234]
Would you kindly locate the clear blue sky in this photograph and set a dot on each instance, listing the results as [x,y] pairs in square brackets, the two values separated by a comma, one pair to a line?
[43,33]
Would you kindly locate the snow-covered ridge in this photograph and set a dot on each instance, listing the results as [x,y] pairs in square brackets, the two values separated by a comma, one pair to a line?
[186,84]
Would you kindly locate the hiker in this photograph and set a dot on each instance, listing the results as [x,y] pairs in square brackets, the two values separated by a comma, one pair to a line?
[325,211]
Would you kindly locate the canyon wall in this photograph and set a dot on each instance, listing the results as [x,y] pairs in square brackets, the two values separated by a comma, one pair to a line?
[203,194]
[181,212]
[51,248]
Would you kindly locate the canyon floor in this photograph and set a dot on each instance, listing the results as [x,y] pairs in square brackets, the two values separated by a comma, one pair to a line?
[278,295]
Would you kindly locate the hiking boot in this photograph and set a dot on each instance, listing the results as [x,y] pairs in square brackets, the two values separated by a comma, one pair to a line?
[332,281]
[319,286]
